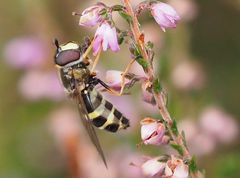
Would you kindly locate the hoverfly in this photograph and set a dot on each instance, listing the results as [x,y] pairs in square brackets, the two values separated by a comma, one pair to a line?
[79,84]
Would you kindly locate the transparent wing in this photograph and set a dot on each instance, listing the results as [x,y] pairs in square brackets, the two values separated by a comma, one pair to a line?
[89,127]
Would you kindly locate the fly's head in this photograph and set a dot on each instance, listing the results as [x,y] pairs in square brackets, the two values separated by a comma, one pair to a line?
[69,57]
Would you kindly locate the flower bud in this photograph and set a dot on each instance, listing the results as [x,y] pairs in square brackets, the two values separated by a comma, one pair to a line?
[153,167]
[90,16]
[152,132]
[114,79]
[164,15]
[176,168]
[105,37]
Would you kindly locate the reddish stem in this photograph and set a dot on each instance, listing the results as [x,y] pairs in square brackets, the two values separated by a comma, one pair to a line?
[159,97]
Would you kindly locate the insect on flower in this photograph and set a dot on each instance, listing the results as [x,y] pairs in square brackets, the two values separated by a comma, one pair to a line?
[79,84]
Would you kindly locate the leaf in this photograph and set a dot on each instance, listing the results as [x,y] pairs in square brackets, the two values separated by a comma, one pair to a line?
[178,148]
[142,62]
[184,139]
[193,165]
[117,8]
[157,86]
[127,17]
[174,127]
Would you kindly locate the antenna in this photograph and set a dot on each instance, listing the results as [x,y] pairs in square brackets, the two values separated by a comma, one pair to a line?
[56,43]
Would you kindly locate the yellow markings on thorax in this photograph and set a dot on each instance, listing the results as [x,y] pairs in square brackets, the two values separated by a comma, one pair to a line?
[68,46]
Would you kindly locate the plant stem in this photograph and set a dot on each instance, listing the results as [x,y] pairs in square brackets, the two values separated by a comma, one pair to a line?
[159,97]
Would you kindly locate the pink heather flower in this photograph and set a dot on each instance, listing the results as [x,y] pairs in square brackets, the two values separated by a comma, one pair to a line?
[202,144]
[37,85]
[152,132]
[186,9]
[164,15]
[114,79]
[218,124]
[153,167]
[105,37]
[64,124]
[188,76]
[147,96]
[175,168]
[90,16]
[25,52]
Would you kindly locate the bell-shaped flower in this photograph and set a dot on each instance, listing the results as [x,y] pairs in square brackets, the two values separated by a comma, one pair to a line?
[105,37]
[176,168]
[165,15]
[90,16]
[153,132]
[114,79]
[153,167]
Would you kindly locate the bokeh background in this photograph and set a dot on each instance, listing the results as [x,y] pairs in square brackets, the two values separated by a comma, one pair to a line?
[40,134]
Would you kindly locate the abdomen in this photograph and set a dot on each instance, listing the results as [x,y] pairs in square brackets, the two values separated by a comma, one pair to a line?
[102,113]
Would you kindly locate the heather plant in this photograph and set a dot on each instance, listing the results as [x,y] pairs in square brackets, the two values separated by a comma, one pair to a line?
[154,131]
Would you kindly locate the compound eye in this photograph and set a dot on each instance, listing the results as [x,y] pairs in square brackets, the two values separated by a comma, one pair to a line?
[67,56]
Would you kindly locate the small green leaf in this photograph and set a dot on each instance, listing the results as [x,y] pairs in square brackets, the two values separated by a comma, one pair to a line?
[193,165]
[184,139]
[174,127]
[150,45]
[157,86]
[178,148]
[127,17]
[142,62]
[117,8]
[103,12]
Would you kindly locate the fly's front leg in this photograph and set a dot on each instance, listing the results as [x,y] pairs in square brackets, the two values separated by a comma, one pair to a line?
[123,83]
[96,61]
[109,89]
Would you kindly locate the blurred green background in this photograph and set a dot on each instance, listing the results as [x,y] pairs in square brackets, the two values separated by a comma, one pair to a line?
[210,38]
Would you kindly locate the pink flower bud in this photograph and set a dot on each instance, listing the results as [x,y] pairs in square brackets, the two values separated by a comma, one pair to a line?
[105,37]
[114,79]
[147,96]
[152,132]
[165,15]
[175,168]
[153,167]
[90,16]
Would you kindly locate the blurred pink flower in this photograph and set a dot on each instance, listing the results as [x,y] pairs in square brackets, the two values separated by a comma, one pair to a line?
[175,168]
[105,37]
[189,127]
[164,15]
[187,9]
[35,85]
[202,144]
[64,124]
[153,168]
[219,124]
[90,16]
[152,132]
[25,52]
[128,166]
[188,76]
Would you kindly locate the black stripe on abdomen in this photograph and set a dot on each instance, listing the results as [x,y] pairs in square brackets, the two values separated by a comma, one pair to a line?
[99,121]
[87,102]
[112,127]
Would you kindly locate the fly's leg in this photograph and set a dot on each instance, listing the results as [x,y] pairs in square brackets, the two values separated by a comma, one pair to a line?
[109,89]
[96,61]
[124,74]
